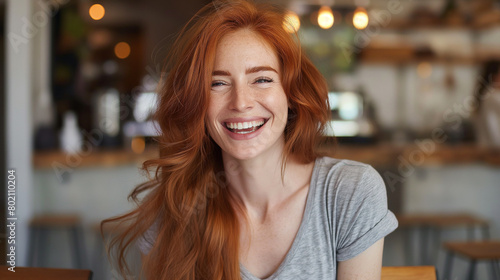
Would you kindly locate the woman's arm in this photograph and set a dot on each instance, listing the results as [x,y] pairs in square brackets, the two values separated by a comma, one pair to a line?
[365,266]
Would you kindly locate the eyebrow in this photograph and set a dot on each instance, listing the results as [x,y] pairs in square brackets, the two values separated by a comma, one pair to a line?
[248,71]
[259,69]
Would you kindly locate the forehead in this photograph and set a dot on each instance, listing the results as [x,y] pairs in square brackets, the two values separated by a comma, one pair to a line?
[245,46]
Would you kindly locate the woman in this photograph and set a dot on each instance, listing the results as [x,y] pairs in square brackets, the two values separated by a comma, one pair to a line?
[487,113]
[240,191]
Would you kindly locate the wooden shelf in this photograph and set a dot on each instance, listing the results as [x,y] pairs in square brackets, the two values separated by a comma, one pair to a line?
[106,158]
[407,55]
[376,155]
[403,51]
[385,155]
[484,21]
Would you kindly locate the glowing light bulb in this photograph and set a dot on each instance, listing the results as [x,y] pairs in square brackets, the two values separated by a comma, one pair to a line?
[291,22]
[97,11]
[360,19]
[325,17]
[122,50]
[138,145]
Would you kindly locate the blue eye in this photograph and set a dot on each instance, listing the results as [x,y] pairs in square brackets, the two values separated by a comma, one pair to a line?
[217,83]
[263,80]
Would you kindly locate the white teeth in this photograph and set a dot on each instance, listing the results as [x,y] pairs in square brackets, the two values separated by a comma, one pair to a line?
[245,125]
[245,132]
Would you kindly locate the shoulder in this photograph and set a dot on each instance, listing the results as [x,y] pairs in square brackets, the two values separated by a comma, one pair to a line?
[345,175]
[330,164]
[351,191]
[356,204]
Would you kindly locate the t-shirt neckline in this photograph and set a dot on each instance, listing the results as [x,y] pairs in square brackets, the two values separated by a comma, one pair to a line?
[302,228]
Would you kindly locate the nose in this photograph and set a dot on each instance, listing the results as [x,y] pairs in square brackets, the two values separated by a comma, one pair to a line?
[241,98]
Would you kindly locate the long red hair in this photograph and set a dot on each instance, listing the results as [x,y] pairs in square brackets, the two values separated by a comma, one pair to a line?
[187,200]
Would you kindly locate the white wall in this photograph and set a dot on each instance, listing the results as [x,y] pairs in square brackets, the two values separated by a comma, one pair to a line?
[18,101]
[402,98]
[95,193]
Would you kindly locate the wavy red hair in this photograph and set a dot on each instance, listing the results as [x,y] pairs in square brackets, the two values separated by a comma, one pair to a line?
[187,200]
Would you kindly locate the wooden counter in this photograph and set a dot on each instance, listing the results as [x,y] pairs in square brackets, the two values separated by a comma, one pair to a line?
[383,155]
[100,158]
[416,155]
[41,273]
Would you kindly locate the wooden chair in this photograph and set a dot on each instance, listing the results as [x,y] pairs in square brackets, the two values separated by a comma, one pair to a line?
[431,227]
[39,273]
[38,231]
[474,251]
[409,273]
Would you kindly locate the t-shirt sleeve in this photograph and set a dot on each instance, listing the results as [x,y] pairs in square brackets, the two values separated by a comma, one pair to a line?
[146,241]
[361,212]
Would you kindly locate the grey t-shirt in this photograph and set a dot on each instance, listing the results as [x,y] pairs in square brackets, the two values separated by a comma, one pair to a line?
[346,212]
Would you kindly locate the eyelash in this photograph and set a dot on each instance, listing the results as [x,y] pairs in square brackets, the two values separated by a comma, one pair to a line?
[264,79]
[218,83]
[259,80]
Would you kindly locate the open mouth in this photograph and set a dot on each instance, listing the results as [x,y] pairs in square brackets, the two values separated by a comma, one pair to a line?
[244,127]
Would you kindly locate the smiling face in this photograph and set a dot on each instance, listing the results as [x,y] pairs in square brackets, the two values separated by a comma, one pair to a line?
[248,107]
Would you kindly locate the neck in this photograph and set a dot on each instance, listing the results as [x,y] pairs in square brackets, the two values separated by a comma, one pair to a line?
[261,184]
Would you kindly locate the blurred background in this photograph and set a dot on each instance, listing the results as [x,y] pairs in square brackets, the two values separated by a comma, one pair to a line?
[414,91]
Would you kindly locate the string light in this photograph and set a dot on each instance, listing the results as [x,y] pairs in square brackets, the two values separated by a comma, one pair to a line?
[360,19]
[122,50]
[291,22]
[97,11]
[325,17]
[138,145]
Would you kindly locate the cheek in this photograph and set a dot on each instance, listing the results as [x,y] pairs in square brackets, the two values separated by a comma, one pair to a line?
[278,104]
[213,111]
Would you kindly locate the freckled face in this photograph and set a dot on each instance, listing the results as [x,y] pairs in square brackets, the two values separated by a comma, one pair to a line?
[248,107]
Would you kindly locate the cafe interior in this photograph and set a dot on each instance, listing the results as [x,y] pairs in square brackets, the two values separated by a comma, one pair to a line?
[414,91]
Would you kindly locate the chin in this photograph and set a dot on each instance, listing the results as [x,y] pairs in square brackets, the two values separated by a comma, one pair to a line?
[243,154]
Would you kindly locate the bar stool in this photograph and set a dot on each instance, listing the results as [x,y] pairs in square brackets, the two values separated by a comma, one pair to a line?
[432,225]
[474,251]
[38,239]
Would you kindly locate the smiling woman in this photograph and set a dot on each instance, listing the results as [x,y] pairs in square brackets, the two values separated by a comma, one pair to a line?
[240,191]
[248,107]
